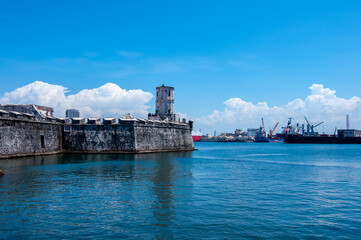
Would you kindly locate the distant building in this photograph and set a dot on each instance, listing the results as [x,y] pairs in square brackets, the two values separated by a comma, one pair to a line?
[251,132]
[72,113]
[342,133]
[238,132]
[227,134]
[164,106]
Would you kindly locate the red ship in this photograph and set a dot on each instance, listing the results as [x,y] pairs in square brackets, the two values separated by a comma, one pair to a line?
[197,136]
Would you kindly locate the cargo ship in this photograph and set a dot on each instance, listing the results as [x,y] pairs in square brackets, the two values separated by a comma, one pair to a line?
[276,139]
[298,134]
[196,136]
[261,135]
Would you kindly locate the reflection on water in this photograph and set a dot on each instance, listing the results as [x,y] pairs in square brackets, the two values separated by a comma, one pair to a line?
[7,164]
[222,191]
[163,206]
[111,191]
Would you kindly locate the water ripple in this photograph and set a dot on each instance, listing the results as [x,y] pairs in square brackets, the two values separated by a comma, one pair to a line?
[235,191]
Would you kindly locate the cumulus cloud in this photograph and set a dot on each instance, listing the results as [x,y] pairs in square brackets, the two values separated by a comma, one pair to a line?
[108,100]
[322,105]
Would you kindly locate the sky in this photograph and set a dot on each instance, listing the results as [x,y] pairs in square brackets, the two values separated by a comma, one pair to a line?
[231,62]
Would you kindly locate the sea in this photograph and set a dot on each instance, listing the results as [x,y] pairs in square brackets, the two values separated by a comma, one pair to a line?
[220,191]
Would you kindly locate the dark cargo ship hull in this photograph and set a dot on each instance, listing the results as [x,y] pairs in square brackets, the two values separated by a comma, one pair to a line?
[321,139]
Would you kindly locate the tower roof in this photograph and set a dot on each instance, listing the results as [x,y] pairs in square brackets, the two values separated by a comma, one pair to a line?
[165,87]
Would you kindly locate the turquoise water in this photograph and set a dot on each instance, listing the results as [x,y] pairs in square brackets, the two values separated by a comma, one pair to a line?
[222,191]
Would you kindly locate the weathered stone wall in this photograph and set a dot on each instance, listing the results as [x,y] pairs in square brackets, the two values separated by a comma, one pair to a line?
[20,137]
[24,137]
[162,136]
[94,138]
[127,136]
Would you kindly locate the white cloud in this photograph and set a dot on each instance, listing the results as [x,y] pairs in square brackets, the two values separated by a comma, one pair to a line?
[108,100]
[322,105]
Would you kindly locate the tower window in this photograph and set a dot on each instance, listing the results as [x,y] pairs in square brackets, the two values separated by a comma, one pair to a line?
[168,111]
[169,94]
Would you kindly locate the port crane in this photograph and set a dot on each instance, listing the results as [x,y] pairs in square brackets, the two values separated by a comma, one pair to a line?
[310,128]
[273,130]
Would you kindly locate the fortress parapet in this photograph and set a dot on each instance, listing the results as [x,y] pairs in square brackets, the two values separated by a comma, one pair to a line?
[34,116]
[78,120]
[36,110]
[94,121]
[108,121]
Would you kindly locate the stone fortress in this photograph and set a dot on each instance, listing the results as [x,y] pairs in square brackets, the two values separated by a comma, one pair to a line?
[28,130]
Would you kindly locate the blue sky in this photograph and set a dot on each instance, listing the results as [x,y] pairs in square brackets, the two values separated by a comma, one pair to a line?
[210,51]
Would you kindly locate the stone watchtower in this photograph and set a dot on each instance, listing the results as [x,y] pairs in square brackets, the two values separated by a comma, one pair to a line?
[165,100]
[164,106]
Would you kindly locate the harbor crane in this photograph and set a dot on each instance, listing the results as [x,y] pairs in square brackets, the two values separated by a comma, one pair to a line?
[310,128]
[273,130]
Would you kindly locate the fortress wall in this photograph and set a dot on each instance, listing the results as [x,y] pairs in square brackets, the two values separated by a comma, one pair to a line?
[94,138]
[162,136]
[21,137]
[24,137]
[127,137]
